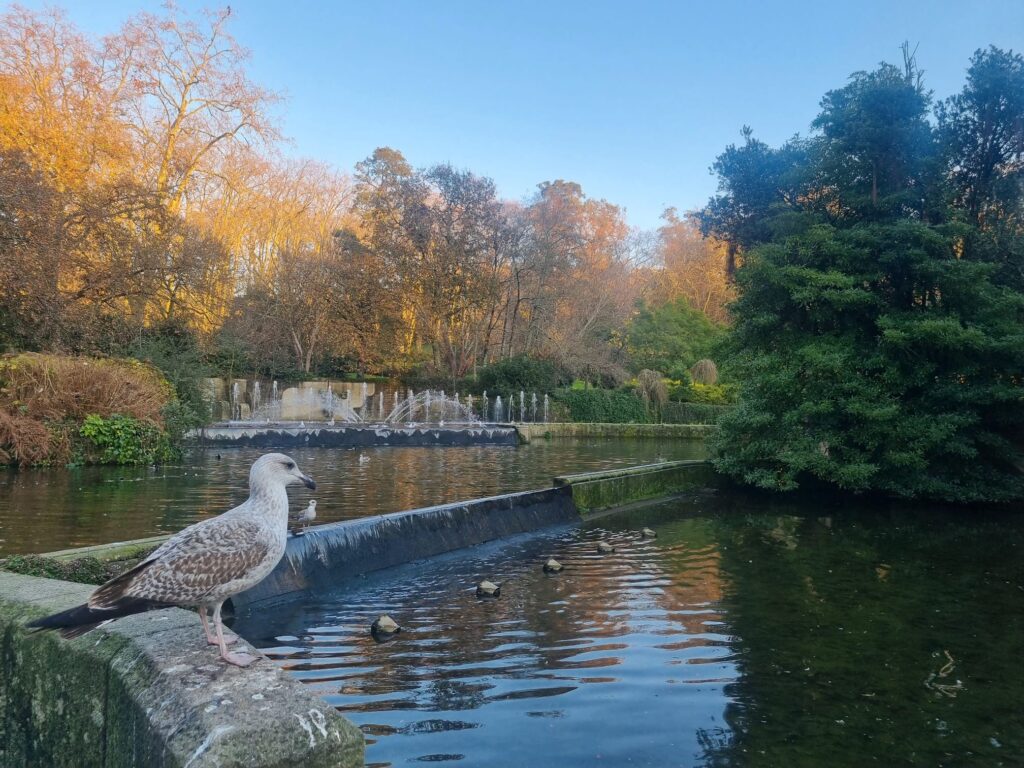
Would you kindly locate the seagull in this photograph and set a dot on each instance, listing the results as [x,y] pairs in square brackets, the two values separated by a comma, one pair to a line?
[202,565]
[306,516]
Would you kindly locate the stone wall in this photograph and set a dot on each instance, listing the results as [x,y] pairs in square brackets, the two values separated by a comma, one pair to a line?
[352,436]
[596,491]
[529,432]
[328,554]
[148,691]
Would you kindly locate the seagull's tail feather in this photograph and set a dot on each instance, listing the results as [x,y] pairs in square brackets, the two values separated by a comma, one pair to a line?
[81,619]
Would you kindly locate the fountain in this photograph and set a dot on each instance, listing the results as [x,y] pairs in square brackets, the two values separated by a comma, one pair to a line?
[446,409]
[522,405]
[545,409]
[331,414]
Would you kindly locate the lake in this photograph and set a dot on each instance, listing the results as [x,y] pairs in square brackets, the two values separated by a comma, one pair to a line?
[42,510]
[748,633]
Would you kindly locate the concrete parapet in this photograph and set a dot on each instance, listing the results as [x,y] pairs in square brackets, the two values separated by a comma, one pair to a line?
[530,432]
[351,435]
[147,691]
[596,491]
[328,554]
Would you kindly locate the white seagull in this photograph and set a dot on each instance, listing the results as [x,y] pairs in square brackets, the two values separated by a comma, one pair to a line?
[306,516]
[202,565]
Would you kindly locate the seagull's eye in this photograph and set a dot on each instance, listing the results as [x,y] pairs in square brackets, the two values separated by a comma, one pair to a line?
[290,464]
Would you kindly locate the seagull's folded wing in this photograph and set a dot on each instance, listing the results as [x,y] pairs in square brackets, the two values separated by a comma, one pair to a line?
[189,566]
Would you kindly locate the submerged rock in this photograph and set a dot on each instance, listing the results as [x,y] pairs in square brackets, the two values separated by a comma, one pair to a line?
[488,589]
[648,533]
[604,548]
[552,566]
[384,628]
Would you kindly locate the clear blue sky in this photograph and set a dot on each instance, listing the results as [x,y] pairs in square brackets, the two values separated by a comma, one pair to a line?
[633,100]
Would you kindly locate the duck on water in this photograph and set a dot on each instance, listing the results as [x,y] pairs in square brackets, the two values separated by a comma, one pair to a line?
[202,565]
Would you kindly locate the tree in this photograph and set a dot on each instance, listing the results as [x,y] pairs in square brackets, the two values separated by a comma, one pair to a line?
[756,185]
[877,137]
[669,338]
[191,98]
[693,267]
[873,355]
[982,129]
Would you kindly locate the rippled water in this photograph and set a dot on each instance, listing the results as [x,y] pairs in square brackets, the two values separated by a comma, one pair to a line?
[42,510]
[746,634]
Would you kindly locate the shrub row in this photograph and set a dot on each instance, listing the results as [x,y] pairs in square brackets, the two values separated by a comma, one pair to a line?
[693,413]
[605,406]
[74,410]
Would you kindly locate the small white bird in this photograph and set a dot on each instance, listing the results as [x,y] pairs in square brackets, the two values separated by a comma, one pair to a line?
[364,459]
[306,516]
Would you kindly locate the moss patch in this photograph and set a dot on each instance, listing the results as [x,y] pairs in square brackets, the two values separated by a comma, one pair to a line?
[82,570]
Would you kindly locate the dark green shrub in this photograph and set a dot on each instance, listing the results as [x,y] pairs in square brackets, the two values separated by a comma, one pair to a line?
[125,440]
[669,336]
[603,406]
[693,413]
[520,373]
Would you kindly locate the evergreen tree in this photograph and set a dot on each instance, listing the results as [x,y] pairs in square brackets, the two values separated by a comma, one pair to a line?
[873,354]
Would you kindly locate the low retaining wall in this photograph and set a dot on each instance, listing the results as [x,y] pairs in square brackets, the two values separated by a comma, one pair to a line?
[350,435]
[596,491]
[326,554]
[529,432]
[148,691]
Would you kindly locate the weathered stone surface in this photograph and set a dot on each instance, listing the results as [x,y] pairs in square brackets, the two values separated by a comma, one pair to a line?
[148,691]
[529,432]
[596,491]
[328,554]
[351,435]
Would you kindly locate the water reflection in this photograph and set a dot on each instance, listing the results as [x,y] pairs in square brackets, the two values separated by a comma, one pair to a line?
[747,634]
[630,643]
[46,509]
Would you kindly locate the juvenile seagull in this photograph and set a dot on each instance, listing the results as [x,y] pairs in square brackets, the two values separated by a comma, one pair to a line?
[306,516]
[204,564]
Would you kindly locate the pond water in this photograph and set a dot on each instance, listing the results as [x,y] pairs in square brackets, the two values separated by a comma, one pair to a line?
[42,510]
[748,633]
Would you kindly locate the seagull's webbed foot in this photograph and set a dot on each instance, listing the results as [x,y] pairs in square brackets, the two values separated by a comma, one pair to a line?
[238,658]
[229,638]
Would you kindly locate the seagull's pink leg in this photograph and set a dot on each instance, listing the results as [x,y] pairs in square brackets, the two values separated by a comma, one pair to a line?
[238,658]
[211,638]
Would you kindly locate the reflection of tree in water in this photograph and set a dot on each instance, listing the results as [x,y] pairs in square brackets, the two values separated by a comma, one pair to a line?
[845,625]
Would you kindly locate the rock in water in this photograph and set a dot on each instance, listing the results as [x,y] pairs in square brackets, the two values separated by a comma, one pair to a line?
[604,548]
[647,533]
[384,628]
[488,589]
[552,566]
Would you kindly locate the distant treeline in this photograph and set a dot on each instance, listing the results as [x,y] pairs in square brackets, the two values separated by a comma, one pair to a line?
[143,192]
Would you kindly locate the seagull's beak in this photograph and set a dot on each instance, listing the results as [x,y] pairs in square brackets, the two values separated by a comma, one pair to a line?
[308,482]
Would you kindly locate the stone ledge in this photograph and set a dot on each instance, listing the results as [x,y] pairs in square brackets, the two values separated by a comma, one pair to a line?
[147,690]
[534,431]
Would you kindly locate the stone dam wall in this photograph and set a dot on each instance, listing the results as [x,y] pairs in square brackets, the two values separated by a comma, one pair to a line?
[147,691]
[327,554]
[350,436]
[554,430]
